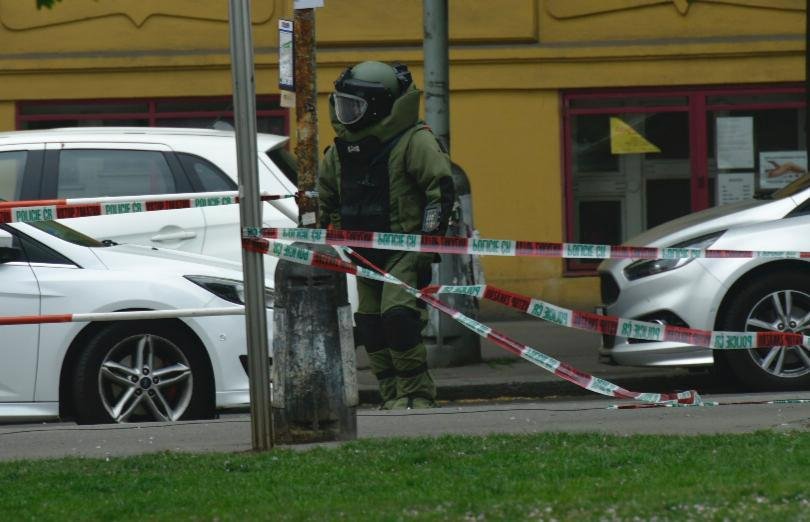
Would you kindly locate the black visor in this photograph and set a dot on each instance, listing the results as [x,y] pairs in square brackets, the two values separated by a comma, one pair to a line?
[359,103]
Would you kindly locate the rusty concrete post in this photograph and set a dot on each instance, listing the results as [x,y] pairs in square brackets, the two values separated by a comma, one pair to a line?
[314,369]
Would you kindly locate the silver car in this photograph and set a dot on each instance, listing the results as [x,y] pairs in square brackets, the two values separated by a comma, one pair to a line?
[754,294]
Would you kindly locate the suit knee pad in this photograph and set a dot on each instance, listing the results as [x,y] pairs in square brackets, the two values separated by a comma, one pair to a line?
[370,332]
[402,327]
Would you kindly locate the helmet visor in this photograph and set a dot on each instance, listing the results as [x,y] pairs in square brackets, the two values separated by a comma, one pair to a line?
[348,108]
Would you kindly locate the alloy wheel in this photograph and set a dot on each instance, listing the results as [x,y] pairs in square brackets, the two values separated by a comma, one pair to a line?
[781,311]
[145,377]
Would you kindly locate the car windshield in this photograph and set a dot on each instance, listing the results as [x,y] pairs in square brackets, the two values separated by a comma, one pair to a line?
[66,233]
[795,187]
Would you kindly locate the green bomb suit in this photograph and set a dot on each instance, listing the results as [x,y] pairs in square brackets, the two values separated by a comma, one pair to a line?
[419,186]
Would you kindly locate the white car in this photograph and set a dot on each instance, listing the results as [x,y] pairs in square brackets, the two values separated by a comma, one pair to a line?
[753,294]
[120,371]
[86,162]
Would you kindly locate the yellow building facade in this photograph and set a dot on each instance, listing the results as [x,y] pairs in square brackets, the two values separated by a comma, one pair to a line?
[535,85]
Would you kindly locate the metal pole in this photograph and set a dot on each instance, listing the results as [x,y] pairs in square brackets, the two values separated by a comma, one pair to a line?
[250,215]
[437,104]
[437,59]
[306,103]
[454,345]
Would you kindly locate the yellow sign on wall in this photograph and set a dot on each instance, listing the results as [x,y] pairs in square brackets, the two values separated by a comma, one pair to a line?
[624,139]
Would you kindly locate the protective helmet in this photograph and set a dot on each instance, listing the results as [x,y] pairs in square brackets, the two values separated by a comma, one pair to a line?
[365,93]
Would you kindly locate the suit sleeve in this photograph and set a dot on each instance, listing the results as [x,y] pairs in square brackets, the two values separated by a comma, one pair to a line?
[430,166]
[328,190]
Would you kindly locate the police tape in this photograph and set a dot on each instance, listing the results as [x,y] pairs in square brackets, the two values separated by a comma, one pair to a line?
[630,328]
[121,316]
[47,209]
[499,247]
[563,370]
[709,403]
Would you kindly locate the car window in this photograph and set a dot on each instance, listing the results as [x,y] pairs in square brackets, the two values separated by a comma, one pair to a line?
[205,176]
[35,252]
[12,166]
[100,172]
[801,210]
[66,233]
[286,162]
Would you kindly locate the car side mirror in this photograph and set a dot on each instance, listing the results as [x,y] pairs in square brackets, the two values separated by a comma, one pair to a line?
[8,252]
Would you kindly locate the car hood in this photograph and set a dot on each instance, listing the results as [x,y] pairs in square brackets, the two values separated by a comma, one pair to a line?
[143,258]
[711,220]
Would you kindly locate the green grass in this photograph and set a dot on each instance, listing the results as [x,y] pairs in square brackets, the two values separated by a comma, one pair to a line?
[762,476]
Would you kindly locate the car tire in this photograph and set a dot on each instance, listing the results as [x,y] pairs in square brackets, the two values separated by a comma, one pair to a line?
[755,309]
[138,371]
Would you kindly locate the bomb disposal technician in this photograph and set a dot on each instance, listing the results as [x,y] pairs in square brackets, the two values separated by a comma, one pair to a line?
[387,173]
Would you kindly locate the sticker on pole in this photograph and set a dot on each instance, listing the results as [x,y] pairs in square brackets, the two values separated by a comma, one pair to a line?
[286,56]
[307,4]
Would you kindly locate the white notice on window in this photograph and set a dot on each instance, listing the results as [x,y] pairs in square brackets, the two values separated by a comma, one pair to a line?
[778,169]
[734,187]
[735,143]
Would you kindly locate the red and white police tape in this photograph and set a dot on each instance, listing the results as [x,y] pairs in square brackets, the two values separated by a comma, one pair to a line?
[47,209]
[122,316]
[563,370]
[498,247]
[631,328]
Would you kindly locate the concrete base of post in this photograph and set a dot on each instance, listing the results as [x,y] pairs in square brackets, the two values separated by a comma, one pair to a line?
[314,366]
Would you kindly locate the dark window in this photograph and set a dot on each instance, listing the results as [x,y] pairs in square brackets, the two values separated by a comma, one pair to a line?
[592,144]
[205,176]
[12,167]
[207,113]
[667,199]
[286,162]
[669,131]
[36,252]
[101,172]
[801,210]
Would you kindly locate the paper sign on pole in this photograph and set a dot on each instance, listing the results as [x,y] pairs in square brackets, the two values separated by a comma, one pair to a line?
[286,57]
[624,139]
[286,63]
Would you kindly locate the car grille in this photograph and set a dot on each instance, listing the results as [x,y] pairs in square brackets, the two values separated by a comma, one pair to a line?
[609,288]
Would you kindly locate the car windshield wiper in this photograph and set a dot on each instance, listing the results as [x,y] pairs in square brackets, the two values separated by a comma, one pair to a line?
[109,242]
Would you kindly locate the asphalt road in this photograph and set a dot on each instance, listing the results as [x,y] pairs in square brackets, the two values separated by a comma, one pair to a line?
[231,432]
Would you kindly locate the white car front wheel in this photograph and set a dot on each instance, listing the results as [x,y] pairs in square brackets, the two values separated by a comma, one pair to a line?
[141,371]
[779,302]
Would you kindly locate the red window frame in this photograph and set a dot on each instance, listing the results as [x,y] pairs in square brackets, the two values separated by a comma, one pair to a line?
[697,107]
[151,115]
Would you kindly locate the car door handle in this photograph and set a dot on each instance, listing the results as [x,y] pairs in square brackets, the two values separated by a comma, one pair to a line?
[174,236]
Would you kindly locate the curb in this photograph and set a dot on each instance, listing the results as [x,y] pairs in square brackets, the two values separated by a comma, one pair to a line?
[704,382]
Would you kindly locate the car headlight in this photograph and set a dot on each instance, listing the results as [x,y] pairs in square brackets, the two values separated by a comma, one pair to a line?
[648,267]
[230,290]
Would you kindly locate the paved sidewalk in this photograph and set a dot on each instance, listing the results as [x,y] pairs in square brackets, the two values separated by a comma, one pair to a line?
[502,374]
